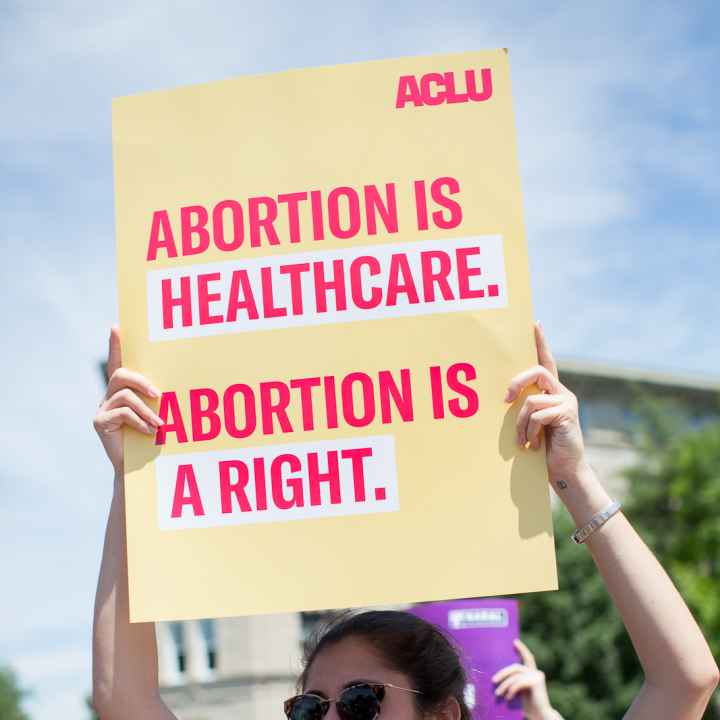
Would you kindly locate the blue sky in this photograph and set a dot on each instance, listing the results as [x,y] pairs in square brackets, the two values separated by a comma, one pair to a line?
[617,111]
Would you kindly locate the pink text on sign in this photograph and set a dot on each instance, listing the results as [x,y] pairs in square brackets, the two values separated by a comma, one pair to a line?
[245,486]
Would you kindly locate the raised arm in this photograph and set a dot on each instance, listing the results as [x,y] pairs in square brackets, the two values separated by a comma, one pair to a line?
[680,672]
[125,674]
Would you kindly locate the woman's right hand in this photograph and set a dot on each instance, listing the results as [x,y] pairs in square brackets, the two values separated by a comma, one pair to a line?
[123,404]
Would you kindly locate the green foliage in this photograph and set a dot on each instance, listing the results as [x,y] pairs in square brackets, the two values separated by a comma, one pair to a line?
[10,697]
[673,499]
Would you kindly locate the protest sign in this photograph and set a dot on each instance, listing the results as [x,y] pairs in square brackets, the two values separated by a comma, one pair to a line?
[325,273]
[483,631]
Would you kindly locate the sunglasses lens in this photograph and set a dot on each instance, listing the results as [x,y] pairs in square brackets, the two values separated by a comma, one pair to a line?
[358,703]
[307,707]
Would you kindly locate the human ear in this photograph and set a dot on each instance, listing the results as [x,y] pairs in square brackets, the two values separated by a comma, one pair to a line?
[449,710]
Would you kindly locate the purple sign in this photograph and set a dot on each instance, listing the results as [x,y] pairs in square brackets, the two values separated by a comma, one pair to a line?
[484,631]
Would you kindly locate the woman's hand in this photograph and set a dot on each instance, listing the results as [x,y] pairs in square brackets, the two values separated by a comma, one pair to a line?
[555,409]
[122,405]
[527,680]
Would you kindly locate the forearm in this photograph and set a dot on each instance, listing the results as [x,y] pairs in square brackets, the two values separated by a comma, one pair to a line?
[668,641]
[125,681]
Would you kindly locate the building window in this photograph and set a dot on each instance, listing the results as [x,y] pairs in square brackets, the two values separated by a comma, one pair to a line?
[208,631]
[176,630]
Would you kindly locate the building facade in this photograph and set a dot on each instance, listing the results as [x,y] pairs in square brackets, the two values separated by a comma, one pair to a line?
[234,668]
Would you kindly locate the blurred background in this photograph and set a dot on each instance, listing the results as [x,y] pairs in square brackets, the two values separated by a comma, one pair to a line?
[619,150]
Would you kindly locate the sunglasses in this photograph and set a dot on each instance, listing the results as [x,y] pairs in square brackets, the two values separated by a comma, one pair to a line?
[357,702]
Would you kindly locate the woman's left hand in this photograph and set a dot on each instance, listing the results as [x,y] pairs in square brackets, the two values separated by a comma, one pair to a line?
[555,409]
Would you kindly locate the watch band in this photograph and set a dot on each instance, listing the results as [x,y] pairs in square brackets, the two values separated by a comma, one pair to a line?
[596,521]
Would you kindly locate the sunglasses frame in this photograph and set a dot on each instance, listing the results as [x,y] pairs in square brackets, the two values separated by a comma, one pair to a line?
[377,688]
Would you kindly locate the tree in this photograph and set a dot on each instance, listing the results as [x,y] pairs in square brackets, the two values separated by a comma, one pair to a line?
[673,499]
[10,697]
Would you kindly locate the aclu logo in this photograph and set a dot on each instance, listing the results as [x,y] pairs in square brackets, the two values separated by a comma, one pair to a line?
[468,618]
[439,88]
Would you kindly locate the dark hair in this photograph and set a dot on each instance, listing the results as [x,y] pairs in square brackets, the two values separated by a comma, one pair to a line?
[405,643]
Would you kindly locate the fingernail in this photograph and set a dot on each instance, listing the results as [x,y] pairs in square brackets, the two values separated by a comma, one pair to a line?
[154,392]
[147,429]
[508,395]
[159,421]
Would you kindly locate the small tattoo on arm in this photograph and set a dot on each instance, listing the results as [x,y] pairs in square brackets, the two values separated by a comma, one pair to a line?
[561,484]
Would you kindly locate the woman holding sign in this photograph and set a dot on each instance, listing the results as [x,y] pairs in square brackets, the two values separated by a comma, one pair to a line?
[394,664]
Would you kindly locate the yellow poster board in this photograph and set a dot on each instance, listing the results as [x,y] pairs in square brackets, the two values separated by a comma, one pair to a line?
[325,273]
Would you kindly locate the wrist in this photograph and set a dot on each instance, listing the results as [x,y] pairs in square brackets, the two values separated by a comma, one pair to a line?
[578,474]
[119,481]
[581,492]
[547,713]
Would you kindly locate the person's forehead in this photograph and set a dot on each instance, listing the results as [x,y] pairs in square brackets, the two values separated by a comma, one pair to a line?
[345,662]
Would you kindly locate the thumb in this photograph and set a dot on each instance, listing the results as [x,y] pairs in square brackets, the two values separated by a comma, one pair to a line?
[525,653]
[114,351]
